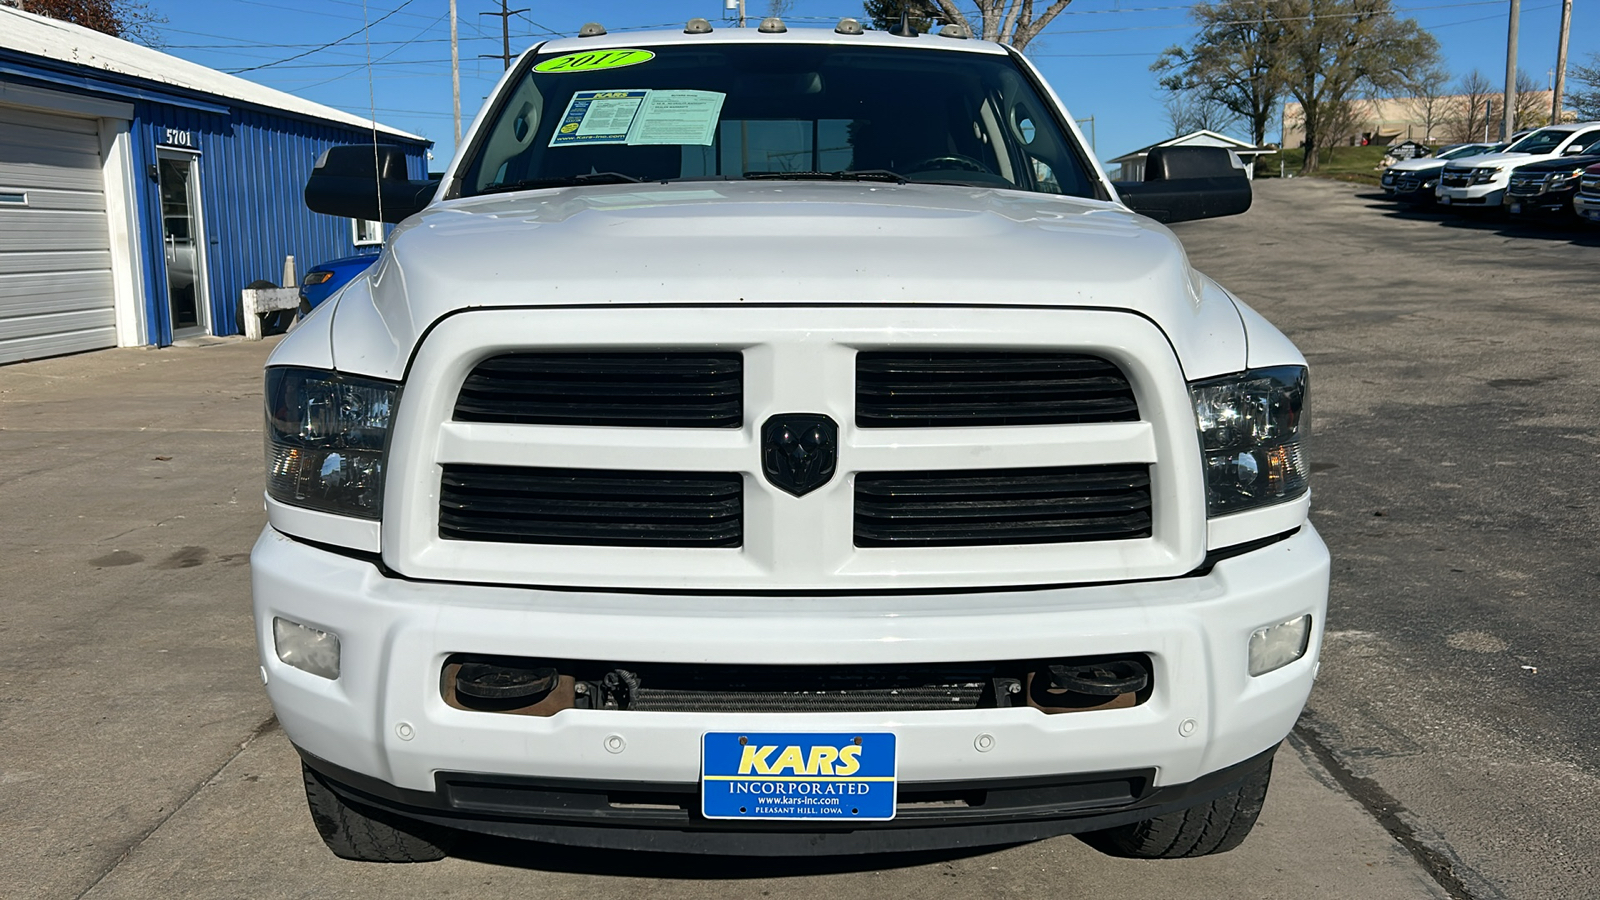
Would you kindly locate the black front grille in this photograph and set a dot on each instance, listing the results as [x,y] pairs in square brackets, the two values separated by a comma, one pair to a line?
[591,507]
[1456,179]
[937,389]
[693,389]
[1525,187]
[1589,186]
[1408,183]
[1002,506]
[774,689]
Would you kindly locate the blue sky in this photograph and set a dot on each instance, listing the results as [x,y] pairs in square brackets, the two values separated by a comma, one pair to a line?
[1097,55]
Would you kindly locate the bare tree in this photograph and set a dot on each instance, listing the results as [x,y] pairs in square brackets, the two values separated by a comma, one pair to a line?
[1341,123]
[1473,109]
[1533,103]
[779,8]
[1429,91]
[1013,22]
[1585,101]
[885,14]
[1195,111]
[127,19]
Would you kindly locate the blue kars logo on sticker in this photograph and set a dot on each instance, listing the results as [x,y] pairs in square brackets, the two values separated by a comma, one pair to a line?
[841,777]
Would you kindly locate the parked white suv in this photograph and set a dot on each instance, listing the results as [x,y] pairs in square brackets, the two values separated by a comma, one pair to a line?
[1482,180]
[785,442]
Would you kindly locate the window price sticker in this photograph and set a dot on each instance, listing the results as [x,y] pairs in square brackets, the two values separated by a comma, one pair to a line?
[640,118]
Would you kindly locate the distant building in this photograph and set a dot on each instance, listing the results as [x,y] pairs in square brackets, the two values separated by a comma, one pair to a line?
[140,192]
[1130,166]
[1454,119]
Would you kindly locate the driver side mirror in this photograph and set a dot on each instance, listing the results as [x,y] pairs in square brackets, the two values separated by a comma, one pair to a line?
[363,182]
[1185,183]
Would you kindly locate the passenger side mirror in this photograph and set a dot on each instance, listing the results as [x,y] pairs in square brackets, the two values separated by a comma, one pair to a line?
[349,181]
[1185,183]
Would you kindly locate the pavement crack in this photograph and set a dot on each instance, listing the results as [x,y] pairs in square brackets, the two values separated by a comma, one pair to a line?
[1442,865]
[266,727]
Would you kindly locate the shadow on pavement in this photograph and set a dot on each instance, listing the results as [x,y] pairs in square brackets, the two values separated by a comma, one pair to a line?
[1497,221]
[630,863]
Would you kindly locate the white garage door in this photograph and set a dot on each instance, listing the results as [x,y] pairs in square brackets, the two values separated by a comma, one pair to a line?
[55,256]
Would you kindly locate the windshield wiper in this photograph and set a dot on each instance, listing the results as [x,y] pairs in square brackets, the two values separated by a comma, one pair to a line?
[846,175]
[529,184]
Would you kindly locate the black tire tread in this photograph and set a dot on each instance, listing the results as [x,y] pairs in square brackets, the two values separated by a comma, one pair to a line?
[365,834]
[1216,826]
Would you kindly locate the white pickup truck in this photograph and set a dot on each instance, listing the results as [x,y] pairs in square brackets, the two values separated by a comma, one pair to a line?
[784,441]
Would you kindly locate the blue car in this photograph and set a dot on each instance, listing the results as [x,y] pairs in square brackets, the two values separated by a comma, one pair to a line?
[322,281]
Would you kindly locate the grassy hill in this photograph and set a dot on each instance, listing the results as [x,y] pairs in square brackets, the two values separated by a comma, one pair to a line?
[1357,164]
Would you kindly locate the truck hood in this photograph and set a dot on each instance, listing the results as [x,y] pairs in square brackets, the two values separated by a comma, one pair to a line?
[1500,160]
[744,243]
[1424,163]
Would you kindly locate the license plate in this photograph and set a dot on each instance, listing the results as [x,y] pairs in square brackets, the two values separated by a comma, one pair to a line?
[1516,208]
[1593,214]
[1445,200]
[848,776]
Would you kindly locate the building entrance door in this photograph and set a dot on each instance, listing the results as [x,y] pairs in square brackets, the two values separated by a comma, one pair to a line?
[181,242]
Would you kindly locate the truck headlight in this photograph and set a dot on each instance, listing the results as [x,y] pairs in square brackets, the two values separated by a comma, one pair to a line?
[1252,431]
[326,435]
[1484,175]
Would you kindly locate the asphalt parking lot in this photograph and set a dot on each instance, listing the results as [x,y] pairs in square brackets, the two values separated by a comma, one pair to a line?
[1449,749]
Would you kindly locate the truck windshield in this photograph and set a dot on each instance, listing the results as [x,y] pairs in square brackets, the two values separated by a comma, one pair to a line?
[1545,140]
[790,111]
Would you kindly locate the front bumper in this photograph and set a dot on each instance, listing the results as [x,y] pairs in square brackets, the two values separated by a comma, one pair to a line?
[1547,204]
[384,721]
[1490,195]
[1411,188]
[1587,206]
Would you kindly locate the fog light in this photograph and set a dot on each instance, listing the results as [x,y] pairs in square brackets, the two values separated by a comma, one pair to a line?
[310,650]
[1278,645]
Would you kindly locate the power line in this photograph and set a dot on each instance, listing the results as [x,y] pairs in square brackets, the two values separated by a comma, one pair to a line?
[263,46]
[521,14]
[362,30]
[371,63]
[280,7]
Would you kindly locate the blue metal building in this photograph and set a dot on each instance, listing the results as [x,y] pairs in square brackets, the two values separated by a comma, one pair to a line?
[140,193]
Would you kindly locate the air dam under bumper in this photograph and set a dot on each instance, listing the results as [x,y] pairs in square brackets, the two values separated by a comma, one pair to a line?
[384,721]
[597,814]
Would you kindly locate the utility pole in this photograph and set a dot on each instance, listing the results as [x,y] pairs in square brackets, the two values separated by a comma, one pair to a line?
[741,13]
[1509,113]
[1561,63]
[505,33]
[455,72]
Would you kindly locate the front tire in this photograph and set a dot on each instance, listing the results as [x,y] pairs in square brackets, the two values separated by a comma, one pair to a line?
[1216,826]
[368,835]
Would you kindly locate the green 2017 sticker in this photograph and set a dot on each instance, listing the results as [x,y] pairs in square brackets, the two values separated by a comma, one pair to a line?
[590,62]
